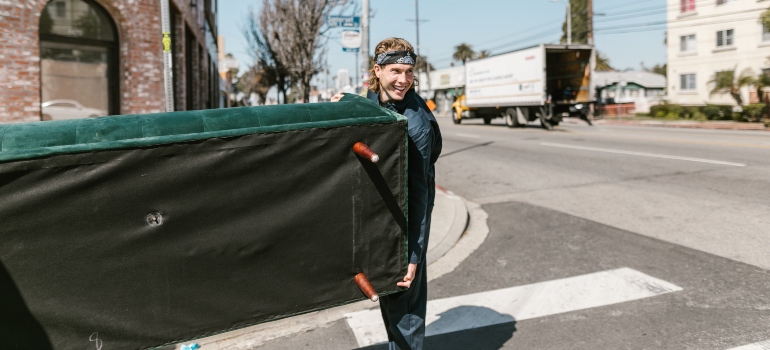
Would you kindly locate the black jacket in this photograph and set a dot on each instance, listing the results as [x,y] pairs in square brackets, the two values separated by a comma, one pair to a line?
[424,149]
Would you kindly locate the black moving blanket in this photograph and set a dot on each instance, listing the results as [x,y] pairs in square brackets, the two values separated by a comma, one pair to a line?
[140,244]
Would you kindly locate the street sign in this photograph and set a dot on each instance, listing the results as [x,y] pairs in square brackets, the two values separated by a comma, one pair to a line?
[343,21]
[351,39]
[345,49]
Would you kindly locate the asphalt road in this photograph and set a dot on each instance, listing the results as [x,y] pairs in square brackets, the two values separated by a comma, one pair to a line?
[689,208]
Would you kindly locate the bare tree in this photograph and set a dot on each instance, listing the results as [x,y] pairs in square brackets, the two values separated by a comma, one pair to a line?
[258,29]
[291,31]
[258,80]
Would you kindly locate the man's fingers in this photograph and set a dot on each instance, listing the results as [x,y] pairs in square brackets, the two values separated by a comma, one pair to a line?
[410,272]
[337,97]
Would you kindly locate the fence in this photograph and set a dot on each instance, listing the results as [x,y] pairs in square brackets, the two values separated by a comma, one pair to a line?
[613,110]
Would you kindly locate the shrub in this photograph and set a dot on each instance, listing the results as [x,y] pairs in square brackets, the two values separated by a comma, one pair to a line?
[712,112]
[657,110]
[751,113]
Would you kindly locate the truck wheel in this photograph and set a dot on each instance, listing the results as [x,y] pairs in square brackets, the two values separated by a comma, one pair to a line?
[487,120]
[455,117]
[511,119]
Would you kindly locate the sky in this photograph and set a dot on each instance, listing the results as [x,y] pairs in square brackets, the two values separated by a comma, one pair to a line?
[629,32]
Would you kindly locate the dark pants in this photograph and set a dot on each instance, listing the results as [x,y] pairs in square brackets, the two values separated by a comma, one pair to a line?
[404,313]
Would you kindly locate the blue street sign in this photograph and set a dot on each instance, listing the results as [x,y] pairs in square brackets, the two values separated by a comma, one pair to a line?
[343,21]
[345,49]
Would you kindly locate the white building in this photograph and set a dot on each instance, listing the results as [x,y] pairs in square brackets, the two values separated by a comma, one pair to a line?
[343,80]
[709,36]
[443,86]
[641,88]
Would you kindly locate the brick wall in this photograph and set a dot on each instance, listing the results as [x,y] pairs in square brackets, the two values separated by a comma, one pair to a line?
[141,61]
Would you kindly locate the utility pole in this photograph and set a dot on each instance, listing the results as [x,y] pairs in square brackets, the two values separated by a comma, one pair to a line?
[417,24]
[569,22]
[364,41]
[590,20]
[417,27]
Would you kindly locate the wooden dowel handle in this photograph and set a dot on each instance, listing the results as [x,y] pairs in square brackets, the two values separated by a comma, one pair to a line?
[366,287]
[365,152]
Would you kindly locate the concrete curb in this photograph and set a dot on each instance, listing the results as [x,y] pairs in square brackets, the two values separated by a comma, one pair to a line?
[467,230]
[456,229]
[713,125]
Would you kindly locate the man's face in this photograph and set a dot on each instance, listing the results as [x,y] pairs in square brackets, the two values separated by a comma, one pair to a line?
[396,79]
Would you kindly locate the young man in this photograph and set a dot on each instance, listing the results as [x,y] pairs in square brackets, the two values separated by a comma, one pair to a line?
[392,86]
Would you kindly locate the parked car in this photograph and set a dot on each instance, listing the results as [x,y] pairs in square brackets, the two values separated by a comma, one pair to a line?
[69,109]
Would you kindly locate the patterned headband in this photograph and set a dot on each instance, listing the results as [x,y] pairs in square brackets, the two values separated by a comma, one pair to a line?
[389,57]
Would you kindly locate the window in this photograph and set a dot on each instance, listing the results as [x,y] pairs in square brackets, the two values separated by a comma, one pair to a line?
[687,81]
[725,38]
[765,33]
[687,43]
[60,9]
[688,5]
[78,60]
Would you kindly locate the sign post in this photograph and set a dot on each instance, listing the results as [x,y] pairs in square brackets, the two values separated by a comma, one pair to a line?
[351,42]
[168,74]
[351,38]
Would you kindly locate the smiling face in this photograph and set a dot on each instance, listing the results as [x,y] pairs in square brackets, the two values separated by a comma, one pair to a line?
[396,79]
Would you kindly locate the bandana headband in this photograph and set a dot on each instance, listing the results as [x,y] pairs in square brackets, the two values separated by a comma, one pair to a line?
[390,57]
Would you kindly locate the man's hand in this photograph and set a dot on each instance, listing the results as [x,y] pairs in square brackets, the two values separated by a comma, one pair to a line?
[410,271]
[337,97]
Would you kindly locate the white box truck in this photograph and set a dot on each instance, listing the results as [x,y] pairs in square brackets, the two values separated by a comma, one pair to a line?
[545,82]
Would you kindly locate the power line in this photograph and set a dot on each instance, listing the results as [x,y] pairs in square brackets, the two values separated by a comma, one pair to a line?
[632,31]
[624,5]
[630,28]
[634,11]
[657,12]
[634,25]
[517,41]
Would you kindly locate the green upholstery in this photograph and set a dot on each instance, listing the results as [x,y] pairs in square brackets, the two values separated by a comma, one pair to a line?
[39,139]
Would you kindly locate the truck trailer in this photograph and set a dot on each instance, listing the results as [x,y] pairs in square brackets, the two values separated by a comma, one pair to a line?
[545,82]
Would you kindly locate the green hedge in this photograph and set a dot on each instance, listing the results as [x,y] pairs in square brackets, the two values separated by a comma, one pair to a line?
[750,113]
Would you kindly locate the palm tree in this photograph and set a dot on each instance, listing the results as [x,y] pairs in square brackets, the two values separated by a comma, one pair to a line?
[762,82]
[483,54]
[603,62]
[463,52]
[725,82]
[423,65]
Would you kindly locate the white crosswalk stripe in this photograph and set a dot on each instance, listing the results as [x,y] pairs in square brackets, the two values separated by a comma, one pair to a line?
[520,303]
[763,345]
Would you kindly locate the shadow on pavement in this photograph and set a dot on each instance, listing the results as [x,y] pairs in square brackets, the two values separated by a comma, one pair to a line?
[480,338]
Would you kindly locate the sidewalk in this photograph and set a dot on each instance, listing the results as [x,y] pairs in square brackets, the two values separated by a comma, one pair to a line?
[689,124]
[449,221]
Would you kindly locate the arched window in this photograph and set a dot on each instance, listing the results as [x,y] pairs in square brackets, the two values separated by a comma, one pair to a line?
[78,61]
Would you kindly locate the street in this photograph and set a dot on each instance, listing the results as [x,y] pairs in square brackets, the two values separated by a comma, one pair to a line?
[599,237]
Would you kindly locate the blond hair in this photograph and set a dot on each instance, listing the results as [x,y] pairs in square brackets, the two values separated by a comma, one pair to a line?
[389,44]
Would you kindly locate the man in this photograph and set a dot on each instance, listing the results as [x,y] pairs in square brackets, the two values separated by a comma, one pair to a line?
[392,85]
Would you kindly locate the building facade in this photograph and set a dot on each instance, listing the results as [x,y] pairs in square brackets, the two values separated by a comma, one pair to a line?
[641,88]
[63,59]
[443,86]
[710,36]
